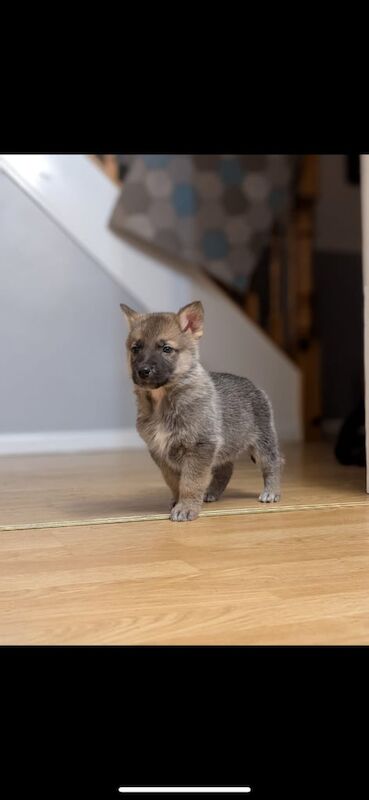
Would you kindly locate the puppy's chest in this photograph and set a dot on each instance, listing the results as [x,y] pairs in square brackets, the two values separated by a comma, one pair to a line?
[161,440]
[161,430]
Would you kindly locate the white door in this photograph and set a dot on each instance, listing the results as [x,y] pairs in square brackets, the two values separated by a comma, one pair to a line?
[365,235]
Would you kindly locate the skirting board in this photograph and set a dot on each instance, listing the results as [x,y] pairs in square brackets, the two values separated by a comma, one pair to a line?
[12,444]
[69,441]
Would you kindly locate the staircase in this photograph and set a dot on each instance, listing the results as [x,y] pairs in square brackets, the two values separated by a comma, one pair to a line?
[79,198]
[287,290]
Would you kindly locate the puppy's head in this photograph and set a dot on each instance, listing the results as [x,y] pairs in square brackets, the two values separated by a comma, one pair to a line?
[163,347]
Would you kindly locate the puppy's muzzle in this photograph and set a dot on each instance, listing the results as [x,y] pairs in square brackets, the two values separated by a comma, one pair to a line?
[145,372]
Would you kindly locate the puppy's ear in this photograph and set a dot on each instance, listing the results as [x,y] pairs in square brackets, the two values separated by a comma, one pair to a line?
[191,318]
[130,315]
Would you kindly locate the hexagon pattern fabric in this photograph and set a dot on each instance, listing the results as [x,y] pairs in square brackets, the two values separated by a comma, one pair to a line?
[215,211]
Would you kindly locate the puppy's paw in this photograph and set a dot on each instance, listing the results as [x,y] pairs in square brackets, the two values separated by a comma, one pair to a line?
[209,497]
[184,512]
[172,503]
[269,497]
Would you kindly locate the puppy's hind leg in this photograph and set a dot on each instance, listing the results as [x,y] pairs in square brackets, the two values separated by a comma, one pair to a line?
[219,481]
[270,461]
[265,449]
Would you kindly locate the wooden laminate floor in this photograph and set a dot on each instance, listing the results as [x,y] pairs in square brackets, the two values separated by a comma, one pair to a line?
[299,575]
[95,488]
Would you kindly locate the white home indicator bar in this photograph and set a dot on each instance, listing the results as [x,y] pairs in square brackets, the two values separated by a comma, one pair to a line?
[185,789]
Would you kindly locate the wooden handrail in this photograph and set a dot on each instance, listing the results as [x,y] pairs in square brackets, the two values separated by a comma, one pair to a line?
[108,164]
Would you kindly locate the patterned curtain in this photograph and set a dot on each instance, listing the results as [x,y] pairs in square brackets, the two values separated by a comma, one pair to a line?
[215,211]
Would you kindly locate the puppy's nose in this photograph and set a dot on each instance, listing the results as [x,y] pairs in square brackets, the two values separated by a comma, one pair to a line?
[144,372]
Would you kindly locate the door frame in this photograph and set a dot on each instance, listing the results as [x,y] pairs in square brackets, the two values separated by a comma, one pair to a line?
[364,173]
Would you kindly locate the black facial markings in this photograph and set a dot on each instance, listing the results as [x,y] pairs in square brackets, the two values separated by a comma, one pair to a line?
[136,346]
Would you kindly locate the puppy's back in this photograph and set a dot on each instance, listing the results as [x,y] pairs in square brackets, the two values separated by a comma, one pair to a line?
[246,410]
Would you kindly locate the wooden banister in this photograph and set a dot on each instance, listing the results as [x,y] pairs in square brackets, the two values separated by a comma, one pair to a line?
[108,164]
[291,291]
[306,345]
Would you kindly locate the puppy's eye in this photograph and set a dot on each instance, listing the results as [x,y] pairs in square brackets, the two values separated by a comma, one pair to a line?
[135,348]
[167,349]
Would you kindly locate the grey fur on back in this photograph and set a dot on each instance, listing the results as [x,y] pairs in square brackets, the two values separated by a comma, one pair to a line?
[247,417]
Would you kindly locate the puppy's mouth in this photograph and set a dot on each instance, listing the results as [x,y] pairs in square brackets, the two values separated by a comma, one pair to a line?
[151,382]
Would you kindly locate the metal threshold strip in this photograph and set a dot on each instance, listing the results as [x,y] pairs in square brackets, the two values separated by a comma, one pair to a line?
[222,512]
[184,789]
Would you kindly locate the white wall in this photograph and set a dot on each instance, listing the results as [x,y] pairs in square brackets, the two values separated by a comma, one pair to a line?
[62,355]
[76,199]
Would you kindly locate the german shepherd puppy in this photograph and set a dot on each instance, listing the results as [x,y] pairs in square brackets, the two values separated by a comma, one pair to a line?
[196,423]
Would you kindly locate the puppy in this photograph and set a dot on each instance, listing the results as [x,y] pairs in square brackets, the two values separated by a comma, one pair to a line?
[196,423]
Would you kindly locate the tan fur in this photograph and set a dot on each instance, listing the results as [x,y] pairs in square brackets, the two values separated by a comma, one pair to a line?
[157,395]
[184,362]
[160,440]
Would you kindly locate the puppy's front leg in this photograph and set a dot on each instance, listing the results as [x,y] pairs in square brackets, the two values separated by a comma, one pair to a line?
[171,478]
[194,480]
